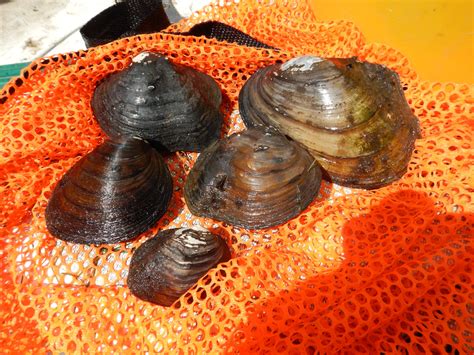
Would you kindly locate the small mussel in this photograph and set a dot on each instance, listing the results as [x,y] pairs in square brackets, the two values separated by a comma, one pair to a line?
[351,115]
[167,265]
[175,106]
[254,179]
[111,195]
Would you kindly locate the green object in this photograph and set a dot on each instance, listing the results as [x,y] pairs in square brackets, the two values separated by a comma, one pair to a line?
[9,71]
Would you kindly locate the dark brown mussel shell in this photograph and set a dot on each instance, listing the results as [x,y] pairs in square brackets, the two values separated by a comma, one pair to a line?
[254,179]
[172,105]
[167,265]
[351,115]
[111,195]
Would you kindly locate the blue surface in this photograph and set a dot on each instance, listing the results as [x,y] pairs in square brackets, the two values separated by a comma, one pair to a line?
[9,71]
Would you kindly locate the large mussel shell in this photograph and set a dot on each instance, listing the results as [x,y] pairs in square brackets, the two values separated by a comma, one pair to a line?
[254,179]
[154,99]
[111,195]
[167,265]
[351,115]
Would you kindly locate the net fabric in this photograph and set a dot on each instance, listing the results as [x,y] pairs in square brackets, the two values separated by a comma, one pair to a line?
[388,270]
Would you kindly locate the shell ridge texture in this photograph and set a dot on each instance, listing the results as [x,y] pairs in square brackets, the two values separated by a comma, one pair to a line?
[359,115]
[120,206]
[248,179]
[155,99]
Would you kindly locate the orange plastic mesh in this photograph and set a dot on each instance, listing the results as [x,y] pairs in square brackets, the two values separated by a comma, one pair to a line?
[389,270]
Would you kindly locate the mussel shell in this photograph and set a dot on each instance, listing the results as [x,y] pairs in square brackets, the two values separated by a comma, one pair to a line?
[254,179]
[157,100]
[167,265]
[111,195]
[351,115]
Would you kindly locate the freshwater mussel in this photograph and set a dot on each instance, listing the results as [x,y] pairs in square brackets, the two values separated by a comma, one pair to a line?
[167,265]
[173,106]
[351,115]
[111,195]
[253,179]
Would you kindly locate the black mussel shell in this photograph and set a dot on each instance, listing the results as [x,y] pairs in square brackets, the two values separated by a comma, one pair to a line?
[352,116]
[254,179]
[167,265]
[111,195]
[157,100]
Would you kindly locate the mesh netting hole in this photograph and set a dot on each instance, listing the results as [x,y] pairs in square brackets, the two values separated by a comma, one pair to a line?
[206,320]
[16,133]
[372,292]
[292,311]
[340,329]
[201,294]
[352,321]
[56,331]
[200,334]
[339,314]
[454,97]
[325,342]
[385,298]
[214,330]
[292,225]
[281,347]
[188,299]
[350,306]
[71,346]
[29,312]
[255,295]
[222,339]
[29,137]
[25,300]
[18,82]
[216,290]
[364,314]
[43,315]
[361,299]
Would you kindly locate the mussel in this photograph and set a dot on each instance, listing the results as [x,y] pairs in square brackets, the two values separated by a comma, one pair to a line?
[173,105]
[111,195]
[167,265]
[351,115]
[253,179]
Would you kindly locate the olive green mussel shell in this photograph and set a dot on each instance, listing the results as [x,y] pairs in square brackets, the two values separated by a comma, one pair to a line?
[351,115]
[253,179]
[111,195]
[168,104]
[167,265]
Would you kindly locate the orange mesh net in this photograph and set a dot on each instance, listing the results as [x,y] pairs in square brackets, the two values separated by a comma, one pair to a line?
[389,270]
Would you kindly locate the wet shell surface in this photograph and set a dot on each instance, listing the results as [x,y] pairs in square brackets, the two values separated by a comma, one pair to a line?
[167,265]
[254,179]
[111,195]
[173,105]
[351,115]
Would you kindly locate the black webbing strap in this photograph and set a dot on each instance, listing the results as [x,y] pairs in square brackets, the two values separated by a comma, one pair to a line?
[126,19]
[223,32]
[132,17]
